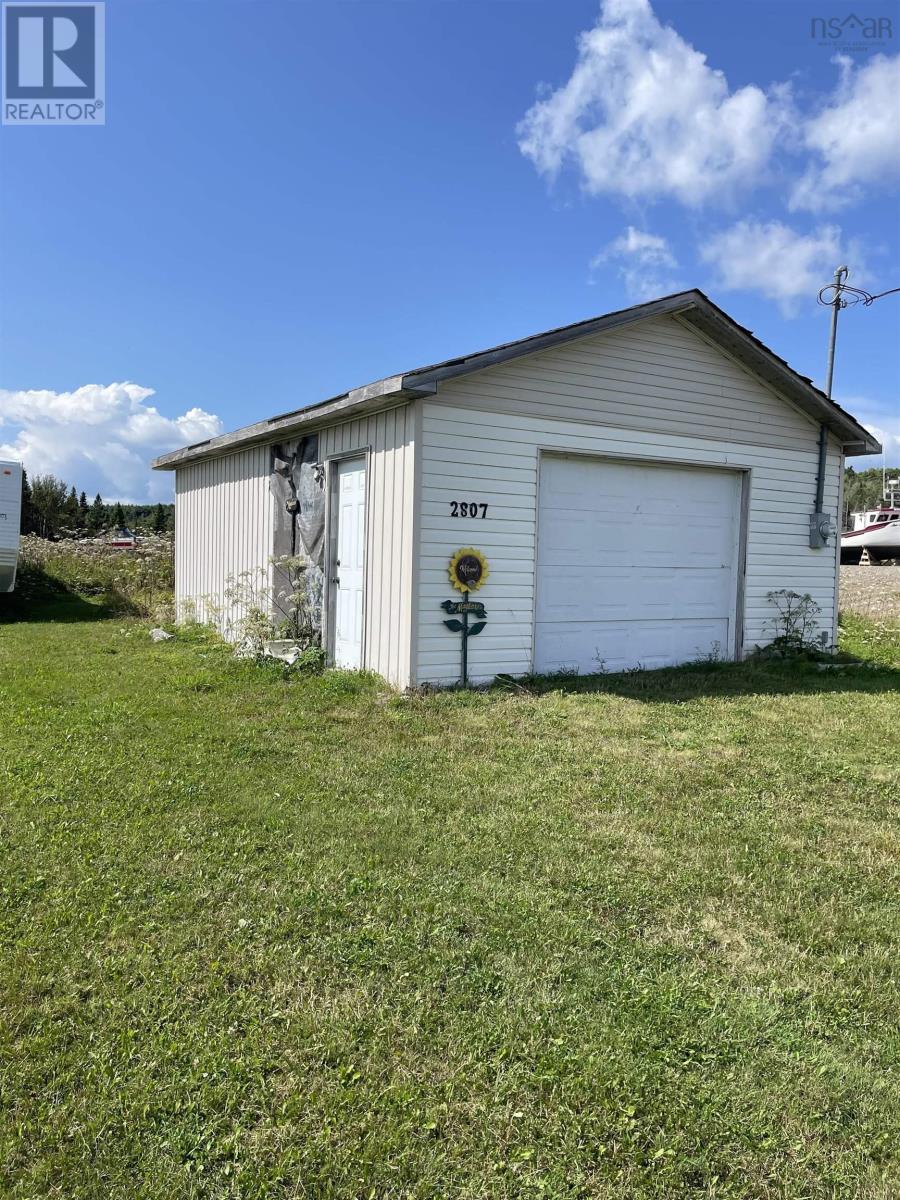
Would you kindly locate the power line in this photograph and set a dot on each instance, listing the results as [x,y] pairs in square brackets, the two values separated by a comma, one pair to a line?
[857,295]
[836,296]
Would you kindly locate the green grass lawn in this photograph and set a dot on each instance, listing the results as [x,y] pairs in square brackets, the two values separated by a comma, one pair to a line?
[271,936]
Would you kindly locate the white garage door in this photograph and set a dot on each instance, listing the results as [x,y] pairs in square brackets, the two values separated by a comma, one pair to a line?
[637,565]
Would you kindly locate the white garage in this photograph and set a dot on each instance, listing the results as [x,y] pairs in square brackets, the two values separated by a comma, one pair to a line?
[638,484]
[637,564]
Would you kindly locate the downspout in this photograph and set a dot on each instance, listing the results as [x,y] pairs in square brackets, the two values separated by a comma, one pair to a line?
[820,477]
[820,528]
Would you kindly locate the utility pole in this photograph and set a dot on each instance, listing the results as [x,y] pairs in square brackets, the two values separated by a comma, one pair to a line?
[836,305]
[833,296]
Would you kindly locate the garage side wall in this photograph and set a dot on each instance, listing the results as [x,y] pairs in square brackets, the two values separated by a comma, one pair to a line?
[655,391]
[387,439]
[223,531]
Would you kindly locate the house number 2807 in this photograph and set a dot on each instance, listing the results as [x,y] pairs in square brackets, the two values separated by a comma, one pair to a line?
[468,508]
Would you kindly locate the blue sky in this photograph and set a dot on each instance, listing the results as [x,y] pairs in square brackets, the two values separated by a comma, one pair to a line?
[292,198]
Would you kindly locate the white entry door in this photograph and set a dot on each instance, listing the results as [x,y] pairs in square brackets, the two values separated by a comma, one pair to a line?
[349,542]
[637,564]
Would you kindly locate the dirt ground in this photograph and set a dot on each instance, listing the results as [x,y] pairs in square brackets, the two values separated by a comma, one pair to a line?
[871,591]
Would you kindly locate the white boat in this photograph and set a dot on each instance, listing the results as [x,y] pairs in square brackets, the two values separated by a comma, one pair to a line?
[876,530]
[10,519]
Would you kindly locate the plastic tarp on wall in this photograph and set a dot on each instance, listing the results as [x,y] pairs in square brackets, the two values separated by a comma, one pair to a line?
[297,484]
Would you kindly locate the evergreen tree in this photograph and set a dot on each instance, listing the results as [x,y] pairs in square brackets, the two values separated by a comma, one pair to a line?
[97,515]
[82,511]
[71,509]
[160,519]
[26,516]
[118,519]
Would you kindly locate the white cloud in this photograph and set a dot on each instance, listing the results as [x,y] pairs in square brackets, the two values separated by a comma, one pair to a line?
[855,139]
[890,442]
[644,115]
[98,437]
[644,260]
[777,261]
[883,425]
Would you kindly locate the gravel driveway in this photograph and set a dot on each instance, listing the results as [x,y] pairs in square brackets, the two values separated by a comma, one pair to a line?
[871,591]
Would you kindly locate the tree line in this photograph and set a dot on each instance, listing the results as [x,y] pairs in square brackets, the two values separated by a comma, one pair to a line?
[51,507]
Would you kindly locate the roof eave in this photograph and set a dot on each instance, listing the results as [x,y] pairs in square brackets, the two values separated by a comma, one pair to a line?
[371,397]
[697,310]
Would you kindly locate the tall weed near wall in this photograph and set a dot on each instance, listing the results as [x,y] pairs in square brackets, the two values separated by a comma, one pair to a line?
[139,581]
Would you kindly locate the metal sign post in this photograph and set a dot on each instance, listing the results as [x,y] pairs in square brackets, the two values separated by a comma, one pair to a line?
[464,608]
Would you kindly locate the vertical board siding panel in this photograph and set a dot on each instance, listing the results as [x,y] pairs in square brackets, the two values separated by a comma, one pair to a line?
[383,539]
[409,573]
[179,520]
[192,496]
[211,551]
[206,546]
[203,556]
[403,505]
[403,573]
[382,564]
[191,548]
[226,543]
[198,548]
[194,547]
[223,528]
[374,548]
[394,520]
[202,547]
[184,584]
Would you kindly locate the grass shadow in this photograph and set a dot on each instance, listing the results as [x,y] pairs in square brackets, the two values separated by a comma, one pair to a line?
[693,681]
[39,598]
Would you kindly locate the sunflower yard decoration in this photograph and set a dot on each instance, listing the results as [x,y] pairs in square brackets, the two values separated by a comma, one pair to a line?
[468,571]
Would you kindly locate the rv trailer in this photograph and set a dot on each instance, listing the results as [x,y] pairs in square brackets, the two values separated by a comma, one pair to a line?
[10,520]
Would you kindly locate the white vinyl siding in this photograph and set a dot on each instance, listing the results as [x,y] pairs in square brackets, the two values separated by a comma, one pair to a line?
[655,392]
[388,439]
[658,375]
[223,529]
